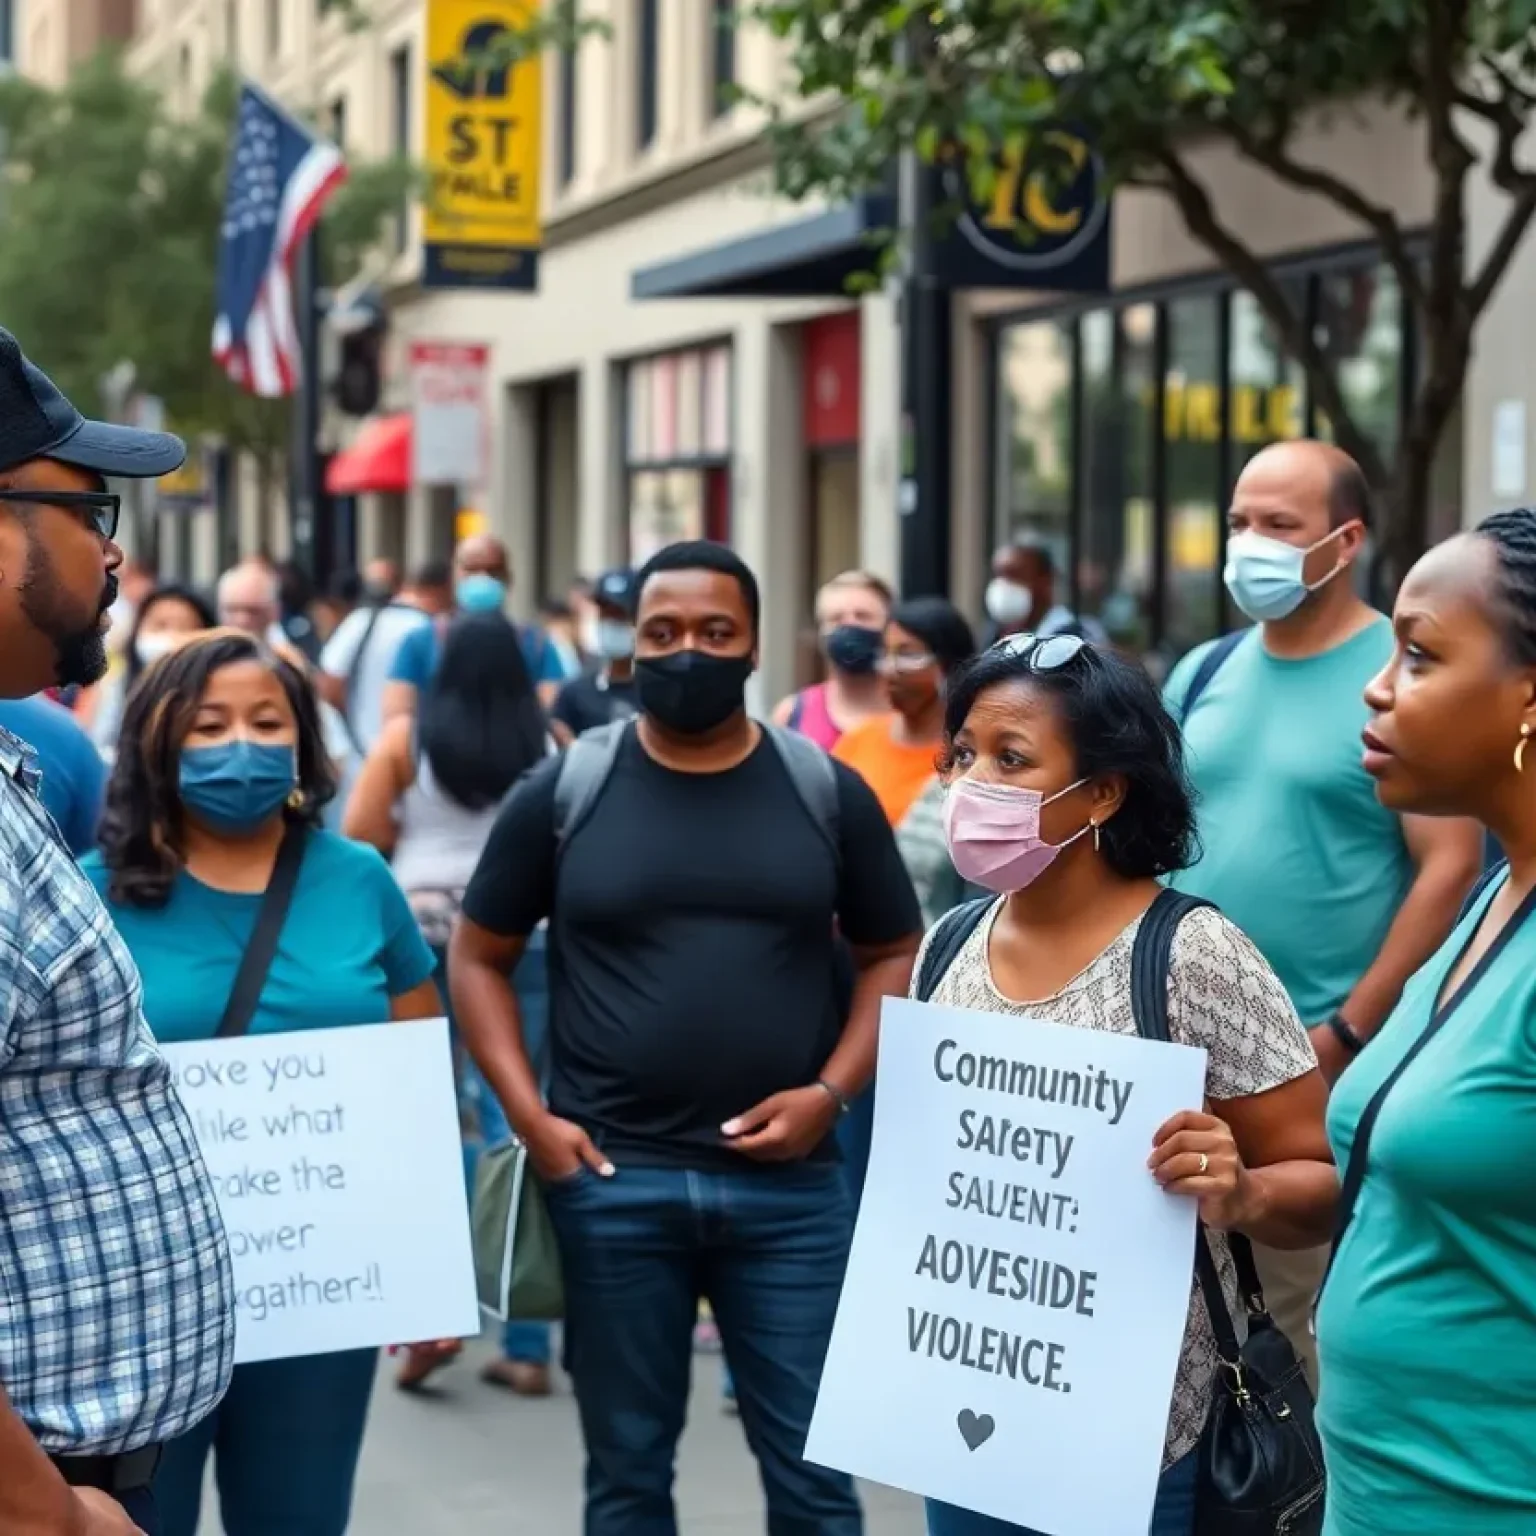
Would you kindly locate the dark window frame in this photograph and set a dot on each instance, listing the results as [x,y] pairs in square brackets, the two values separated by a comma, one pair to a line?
[400,104]
[7,31]
[1309,267]
[647,72]
[566,166]
[724,17]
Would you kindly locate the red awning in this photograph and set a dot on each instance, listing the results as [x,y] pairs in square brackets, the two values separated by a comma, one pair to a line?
[378,460]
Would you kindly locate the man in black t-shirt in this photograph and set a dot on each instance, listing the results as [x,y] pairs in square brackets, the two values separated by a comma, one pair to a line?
[607,692]
[699,1059]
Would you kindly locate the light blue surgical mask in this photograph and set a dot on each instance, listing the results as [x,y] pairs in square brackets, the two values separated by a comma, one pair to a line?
[1266,576]
[480,593]
[237,785]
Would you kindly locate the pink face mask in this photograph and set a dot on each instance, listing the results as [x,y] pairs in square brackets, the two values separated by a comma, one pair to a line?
[993,831]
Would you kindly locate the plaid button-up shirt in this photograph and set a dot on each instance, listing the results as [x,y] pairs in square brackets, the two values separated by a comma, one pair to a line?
[116,1296]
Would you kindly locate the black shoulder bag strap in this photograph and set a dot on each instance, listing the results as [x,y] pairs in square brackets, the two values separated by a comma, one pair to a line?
[1151,962]
[1210,664]
[1360,1147]
[261,947]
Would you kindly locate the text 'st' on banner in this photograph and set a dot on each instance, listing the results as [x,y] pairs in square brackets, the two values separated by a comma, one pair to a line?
[1015,1302]
[336,1157]
[484,122]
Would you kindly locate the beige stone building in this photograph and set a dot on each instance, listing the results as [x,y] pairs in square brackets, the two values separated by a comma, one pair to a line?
[653,387]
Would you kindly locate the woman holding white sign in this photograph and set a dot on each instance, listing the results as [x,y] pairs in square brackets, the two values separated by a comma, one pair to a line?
[1067,797]
[212,838]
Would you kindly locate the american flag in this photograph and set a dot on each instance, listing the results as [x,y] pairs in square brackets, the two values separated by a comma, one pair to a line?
[279,178]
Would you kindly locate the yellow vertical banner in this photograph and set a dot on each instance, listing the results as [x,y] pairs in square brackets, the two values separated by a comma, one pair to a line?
[484,130]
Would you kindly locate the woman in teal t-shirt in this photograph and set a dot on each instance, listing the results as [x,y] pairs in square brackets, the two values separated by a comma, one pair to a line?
[1427,1326]
[221,753]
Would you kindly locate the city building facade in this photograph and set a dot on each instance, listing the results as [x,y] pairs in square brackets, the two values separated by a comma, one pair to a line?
[691,363]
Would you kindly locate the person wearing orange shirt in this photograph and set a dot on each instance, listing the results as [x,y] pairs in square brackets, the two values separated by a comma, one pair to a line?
[926,639]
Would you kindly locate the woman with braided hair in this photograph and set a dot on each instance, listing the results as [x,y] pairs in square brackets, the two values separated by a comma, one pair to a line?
[1427,1324]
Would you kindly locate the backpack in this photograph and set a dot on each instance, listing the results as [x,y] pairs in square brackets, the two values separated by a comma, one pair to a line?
[1149,961]
[589,760]
[1210,665]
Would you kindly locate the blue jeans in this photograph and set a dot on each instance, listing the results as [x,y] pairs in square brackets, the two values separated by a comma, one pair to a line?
[767,1247]
[285,1444]
[527,1343]
[1172,1515]
[854,1131]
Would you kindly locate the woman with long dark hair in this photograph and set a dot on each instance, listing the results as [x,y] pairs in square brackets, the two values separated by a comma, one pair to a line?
[221,771]
[427,798]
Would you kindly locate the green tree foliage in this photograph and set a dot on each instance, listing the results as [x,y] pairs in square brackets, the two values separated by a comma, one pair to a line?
[1149,81]
[109,228]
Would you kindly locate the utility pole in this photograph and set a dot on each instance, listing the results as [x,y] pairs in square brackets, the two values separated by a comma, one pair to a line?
[304,467]
[927,362]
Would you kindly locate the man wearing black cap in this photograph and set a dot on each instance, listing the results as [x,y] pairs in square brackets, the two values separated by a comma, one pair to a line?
[608,692]
[117,1330]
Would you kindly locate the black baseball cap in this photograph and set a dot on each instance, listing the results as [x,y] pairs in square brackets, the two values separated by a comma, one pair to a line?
[37,422]
[615,589]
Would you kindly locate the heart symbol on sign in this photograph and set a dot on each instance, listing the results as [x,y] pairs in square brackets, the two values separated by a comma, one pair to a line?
[975,1428]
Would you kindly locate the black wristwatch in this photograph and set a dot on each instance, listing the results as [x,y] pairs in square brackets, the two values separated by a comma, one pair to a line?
[1344,1033]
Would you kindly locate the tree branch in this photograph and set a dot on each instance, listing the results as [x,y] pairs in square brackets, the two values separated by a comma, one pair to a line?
[1194,203]
[1271,153]
[1496,262]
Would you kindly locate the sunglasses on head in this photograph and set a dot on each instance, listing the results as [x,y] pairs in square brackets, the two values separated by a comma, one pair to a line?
[1043,653]
[97,509]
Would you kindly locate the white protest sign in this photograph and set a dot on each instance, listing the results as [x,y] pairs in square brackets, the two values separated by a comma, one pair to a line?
[1016,1297]
[337,1161]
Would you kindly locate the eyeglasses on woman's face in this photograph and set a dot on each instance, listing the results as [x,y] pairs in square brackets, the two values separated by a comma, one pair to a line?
[905,663]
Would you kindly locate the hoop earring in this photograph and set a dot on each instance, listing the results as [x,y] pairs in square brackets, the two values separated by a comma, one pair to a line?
[1520,746]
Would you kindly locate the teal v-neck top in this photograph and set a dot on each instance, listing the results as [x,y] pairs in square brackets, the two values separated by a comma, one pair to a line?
[1427,1328]
[349,945]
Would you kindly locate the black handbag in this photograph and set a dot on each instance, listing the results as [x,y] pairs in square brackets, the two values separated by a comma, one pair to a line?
[1260,1458]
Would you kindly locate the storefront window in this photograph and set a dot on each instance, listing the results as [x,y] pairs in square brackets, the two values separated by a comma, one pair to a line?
[1035,439]
[1267,399]
[1360,323]
[1145,465]
[1192,466]
[678,449]
[1117,561]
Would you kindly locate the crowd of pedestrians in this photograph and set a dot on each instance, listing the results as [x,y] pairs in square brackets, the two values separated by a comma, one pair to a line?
[663,932]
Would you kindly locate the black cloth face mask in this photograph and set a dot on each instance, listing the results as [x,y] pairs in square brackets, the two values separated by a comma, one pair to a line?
[854,649]
[691,692]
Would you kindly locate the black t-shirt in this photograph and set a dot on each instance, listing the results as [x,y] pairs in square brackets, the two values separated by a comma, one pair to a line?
[592,700]
[692,948]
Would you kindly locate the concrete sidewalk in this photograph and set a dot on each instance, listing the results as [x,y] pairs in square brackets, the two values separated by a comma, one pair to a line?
[470,1460]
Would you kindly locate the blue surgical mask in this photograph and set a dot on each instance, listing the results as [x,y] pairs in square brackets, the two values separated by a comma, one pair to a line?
[1265,576]
[480,593]
[237,785]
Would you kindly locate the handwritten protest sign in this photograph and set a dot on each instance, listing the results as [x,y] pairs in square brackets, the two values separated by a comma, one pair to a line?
[1016,1298]
[335,1154]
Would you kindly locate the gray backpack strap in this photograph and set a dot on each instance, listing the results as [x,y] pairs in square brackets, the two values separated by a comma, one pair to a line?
[584,770]
[814,778]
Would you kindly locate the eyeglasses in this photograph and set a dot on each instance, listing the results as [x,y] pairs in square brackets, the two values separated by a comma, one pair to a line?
[100,508]
[1044,653]
[905,662]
